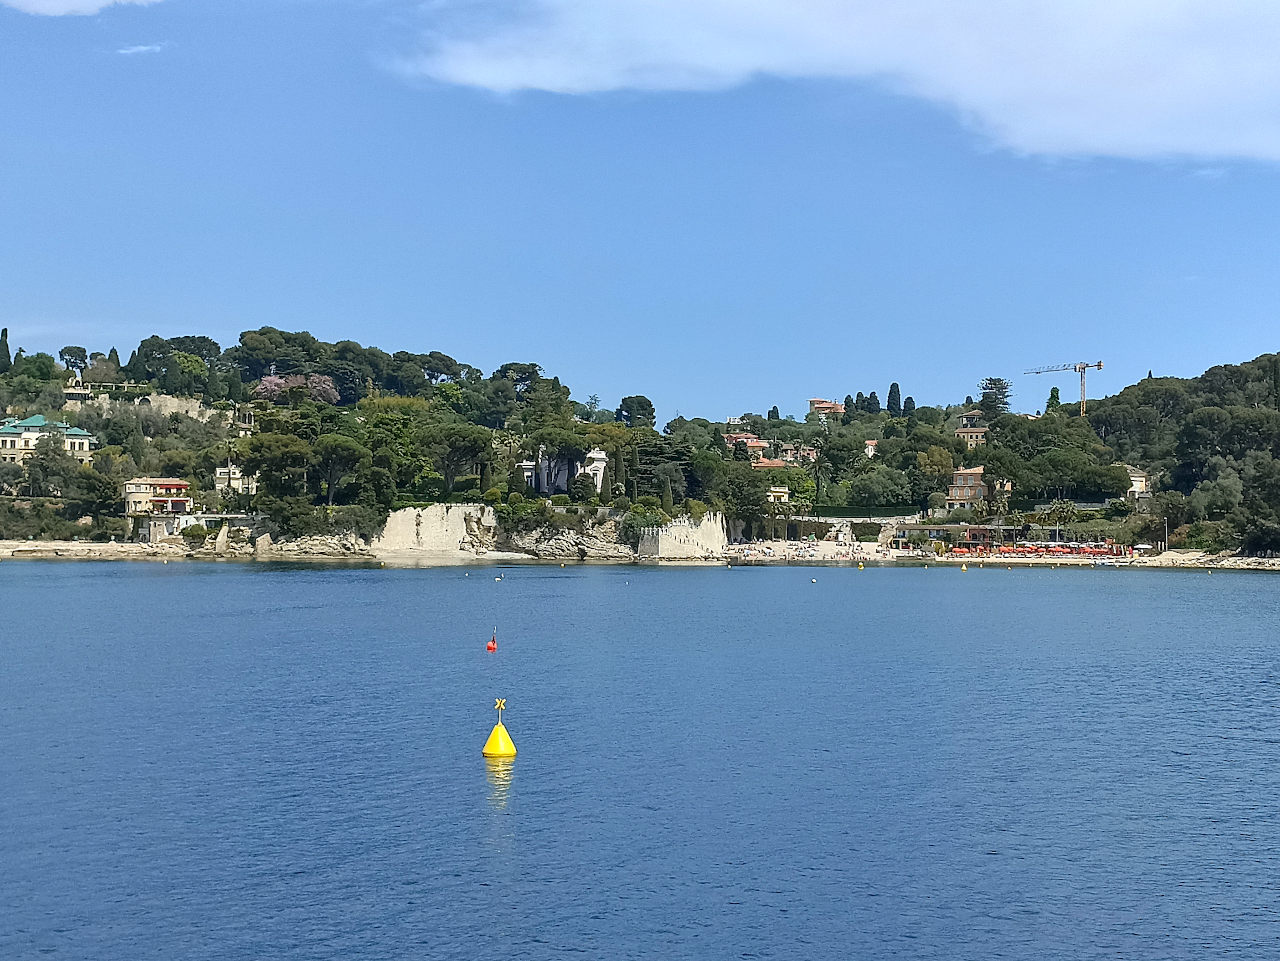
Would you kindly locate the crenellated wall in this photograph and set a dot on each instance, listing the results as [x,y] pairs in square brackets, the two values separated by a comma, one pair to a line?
[685,539]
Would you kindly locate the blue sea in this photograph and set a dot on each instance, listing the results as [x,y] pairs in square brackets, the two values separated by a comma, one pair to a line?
[235,761]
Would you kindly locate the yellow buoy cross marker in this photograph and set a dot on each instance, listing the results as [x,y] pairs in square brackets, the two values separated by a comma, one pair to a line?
[499,743]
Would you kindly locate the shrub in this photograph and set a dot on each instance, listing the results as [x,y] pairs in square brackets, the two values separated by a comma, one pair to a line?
[515,498]
[521,516]
[358,519]
[559,500]
[195,534]
[583,487]
[493,496]
[637,519]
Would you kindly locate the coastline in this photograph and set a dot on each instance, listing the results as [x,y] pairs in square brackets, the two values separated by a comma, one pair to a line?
[756,556]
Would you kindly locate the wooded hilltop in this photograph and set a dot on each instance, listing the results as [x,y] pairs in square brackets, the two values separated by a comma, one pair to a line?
[342,434]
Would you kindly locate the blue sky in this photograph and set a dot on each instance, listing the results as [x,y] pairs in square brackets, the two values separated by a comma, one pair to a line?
[721,205]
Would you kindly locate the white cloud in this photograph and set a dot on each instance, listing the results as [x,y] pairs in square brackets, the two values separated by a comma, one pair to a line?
[54,8]
[1125,78]
[141,48]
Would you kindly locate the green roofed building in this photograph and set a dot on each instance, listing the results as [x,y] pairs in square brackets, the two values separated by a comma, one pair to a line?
[18,438]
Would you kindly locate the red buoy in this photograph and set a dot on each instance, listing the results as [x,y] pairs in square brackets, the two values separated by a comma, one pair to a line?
[492,645]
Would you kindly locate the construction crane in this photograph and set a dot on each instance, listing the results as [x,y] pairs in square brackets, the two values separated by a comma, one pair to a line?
[1078,368]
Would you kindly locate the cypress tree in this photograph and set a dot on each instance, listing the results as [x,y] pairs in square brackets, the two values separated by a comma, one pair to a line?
[908,406]
[5,360]
[849,409]
[668,502]
[873,404]
[1054,401]
[859,403]
[606,484]
[486,477]
[773,413]
[894,403]
[114,357]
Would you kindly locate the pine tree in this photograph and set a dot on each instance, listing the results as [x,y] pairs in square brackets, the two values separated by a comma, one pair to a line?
[5,360]
[995,397]
[894,404]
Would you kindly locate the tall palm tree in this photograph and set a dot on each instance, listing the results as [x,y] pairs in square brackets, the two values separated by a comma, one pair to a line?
[819,469]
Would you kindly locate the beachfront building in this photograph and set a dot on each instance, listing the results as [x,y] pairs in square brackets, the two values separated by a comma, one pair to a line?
[156,506]
[973,437]
[968,488]
[156,495]
[18,438]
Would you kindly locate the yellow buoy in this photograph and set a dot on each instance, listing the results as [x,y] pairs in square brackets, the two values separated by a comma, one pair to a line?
[859,565]
[499,743]
[964,567]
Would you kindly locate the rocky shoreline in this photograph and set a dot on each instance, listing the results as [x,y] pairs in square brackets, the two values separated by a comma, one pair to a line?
[545,546]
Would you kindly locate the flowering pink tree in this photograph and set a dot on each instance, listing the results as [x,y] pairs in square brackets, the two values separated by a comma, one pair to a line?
[319,387]
[271,387]
[322,389]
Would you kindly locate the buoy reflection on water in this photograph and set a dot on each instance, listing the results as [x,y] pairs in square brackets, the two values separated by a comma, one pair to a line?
[499,771]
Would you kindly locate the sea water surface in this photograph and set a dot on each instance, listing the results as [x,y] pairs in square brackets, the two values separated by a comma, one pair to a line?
[252,762]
